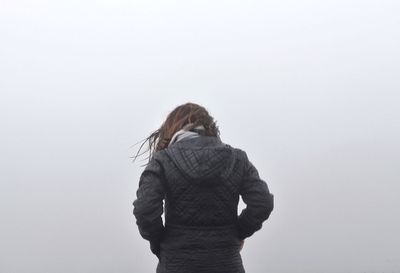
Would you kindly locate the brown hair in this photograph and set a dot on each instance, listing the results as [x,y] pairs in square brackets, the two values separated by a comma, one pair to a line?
[176,120]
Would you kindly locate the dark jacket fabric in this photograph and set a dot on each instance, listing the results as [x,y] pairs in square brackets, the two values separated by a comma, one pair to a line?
[200,181]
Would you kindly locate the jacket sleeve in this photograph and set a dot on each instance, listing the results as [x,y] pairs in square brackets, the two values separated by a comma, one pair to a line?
[259,201]
[148,207]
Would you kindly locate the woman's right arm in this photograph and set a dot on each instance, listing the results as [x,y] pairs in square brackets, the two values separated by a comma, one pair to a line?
[259,201]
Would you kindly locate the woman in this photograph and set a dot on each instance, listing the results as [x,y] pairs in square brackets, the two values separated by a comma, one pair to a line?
[200,179]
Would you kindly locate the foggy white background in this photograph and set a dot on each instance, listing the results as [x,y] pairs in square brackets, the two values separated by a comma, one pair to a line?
[310,89]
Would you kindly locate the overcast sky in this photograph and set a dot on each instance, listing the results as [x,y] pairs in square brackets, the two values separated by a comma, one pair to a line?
[309,89]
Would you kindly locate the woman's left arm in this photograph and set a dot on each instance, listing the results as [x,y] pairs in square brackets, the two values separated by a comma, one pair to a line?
[148,207]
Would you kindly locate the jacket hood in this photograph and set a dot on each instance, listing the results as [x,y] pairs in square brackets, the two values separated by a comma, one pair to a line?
[204,158]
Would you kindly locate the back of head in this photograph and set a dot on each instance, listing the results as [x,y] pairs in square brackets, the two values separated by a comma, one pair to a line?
[188,114]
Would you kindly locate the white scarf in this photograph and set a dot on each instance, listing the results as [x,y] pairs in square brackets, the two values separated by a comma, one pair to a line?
[185,133]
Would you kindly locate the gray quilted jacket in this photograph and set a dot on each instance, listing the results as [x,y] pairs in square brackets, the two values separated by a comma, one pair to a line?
[200,181]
